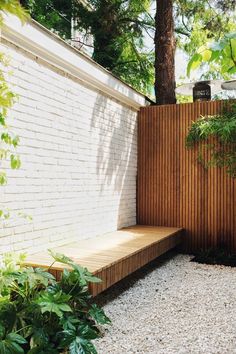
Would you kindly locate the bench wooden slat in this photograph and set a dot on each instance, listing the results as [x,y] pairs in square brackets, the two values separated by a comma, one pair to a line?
[114,255]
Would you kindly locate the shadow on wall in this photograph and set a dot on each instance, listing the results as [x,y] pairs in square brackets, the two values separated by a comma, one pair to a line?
[116,156]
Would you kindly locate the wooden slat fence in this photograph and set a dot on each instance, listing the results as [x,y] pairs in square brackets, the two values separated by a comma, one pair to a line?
[173,188]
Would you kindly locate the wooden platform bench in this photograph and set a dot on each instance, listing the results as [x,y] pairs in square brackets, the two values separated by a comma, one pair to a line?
[115,255]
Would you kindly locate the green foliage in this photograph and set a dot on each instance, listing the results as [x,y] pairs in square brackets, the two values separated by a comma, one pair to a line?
[217,136]
[56,15]
[39,315]
[118,27]
[219,255]
[199,22]
[8,140]
[222,53]
[12,7]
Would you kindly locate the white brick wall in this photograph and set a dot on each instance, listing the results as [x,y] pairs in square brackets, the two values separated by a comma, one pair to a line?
[79,159]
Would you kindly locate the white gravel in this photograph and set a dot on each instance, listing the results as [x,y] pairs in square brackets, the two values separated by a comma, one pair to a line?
[173,306]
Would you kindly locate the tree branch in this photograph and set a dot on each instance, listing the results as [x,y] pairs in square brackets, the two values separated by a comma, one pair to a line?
[231,52]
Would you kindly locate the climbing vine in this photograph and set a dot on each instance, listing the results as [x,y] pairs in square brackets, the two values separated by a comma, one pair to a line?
[216,138]
[8,140]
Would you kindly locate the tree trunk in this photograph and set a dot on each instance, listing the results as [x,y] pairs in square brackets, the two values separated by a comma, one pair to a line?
[165,53]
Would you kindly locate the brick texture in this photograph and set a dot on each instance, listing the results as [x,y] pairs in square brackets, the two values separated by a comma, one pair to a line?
[79,159]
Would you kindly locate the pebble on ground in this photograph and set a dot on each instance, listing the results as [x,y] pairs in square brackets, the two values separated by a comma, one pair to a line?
[173,306]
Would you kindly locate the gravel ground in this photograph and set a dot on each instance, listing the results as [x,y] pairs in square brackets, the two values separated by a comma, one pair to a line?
[172,306]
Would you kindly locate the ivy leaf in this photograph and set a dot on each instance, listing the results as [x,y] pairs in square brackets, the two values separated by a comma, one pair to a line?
[98,315]
[15,141]
[15,162]
[2,120]
[3,178]
[3,154]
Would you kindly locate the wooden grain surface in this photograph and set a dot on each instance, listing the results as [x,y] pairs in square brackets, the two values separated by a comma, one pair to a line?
[173,188]
[114,255]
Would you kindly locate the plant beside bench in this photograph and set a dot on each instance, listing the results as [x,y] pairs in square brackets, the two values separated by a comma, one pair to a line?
[39,315]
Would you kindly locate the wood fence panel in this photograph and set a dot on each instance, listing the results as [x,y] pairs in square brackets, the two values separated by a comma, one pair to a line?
[173,188]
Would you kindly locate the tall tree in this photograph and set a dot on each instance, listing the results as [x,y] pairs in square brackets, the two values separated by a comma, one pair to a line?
[165,53]
[56,15]
[118,27]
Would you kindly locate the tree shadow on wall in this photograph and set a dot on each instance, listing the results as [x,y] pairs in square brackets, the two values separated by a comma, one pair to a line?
[115,128]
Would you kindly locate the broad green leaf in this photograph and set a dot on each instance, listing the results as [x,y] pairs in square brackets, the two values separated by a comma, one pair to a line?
[98,315]
[16,338]
[15,162]
[69,323]
[87,332]
[54,303]
[35,277]
[12,344]
[81,346]
[39,336]
[232,70]
[215,54]
[59,257]
[206,55]
[194,63]
[3,178]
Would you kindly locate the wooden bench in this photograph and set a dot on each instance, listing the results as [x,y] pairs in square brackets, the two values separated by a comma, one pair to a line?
[114,255]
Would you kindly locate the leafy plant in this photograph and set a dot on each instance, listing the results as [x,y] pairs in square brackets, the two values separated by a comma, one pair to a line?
[12,7]
[216,255]
[39,315]
[217,135]
[8,140]
[222,53]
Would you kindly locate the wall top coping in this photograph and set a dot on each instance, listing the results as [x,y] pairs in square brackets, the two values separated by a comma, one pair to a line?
[47,46]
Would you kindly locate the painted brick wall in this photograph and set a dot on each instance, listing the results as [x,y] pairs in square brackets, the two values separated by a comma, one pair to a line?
[79,159]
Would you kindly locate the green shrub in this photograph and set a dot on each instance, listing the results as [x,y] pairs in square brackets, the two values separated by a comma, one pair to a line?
[217,135]
[39,315]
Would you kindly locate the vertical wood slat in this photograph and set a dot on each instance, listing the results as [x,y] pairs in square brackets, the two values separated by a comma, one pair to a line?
[173,188]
